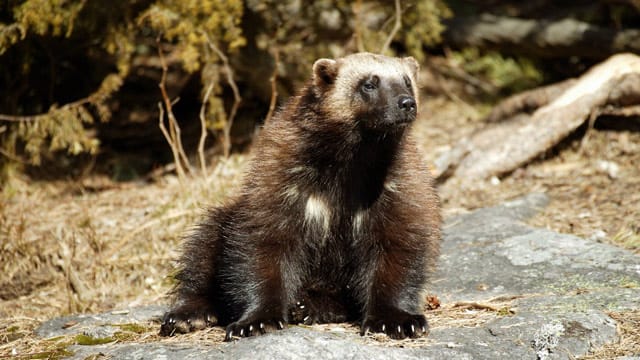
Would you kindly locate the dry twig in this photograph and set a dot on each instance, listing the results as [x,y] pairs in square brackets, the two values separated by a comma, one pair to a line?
[203,129]
[475,305]
[236,94]
[176,157]
[173,136]
[357,10]
[273,80]
[394,31]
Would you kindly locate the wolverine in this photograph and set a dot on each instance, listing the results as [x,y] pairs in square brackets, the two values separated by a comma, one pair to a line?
[337,218]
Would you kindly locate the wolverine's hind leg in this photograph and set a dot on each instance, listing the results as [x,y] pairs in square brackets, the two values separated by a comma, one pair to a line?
[193,314]
[263,296]
[197,289]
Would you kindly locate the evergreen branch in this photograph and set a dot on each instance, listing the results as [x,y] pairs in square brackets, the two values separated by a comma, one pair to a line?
[31,118]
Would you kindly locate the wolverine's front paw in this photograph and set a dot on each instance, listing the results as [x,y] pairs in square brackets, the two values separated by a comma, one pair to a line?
[397,325]
[185,319]
[253,326]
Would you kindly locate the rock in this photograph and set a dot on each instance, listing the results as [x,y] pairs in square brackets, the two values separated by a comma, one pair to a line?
[559,286]
[101,332]
[92,323]
[294,343]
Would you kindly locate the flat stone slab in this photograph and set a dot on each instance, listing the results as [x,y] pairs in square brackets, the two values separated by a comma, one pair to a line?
[560,287]
[88,323]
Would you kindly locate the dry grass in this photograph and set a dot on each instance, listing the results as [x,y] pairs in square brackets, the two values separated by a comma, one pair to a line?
[629,343]
[65,248]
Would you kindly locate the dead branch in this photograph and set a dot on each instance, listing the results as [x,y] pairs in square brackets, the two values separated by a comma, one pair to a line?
[626,111]
[615,82]
[175,136]
[203,129]
[396,27]
[474,305]
[12,157]
[449,68]
[274,89]
[172,144]
[528,101]
[357,10]
[14,118]
[441,70]
[236,95]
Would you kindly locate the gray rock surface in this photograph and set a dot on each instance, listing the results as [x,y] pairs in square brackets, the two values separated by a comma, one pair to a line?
[560,285]
[98,325]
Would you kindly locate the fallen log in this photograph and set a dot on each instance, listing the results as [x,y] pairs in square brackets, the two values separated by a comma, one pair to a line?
[524,133]
[540,38]
[528,101]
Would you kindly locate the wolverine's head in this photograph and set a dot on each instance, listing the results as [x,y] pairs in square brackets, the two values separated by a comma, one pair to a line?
[377,92]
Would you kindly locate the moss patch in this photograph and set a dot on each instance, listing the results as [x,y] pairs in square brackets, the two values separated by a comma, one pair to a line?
[82,339]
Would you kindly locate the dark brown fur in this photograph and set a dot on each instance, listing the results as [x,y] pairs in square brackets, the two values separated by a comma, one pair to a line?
[337,219]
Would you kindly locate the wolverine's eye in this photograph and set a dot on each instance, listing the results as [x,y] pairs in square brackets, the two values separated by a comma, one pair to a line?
[368,86]
[407,82]
[371,84]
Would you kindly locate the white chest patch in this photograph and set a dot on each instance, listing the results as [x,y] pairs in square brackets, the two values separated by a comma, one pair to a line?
[358,222]
[317,213]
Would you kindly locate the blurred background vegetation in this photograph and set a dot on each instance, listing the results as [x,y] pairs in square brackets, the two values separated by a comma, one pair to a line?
[79,79]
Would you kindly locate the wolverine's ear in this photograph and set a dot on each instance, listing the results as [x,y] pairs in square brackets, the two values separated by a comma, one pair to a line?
[324,71]
[413,66]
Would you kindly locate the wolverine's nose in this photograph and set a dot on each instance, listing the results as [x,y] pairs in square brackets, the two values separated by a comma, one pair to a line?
[407,103]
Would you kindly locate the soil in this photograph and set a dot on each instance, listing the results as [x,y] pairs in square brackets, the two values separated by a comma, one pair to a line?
[94,245]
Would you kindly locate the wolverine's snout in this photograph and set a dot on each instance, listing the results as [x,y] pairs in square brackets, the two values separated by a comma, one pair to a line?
[407,104]
[406,110]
